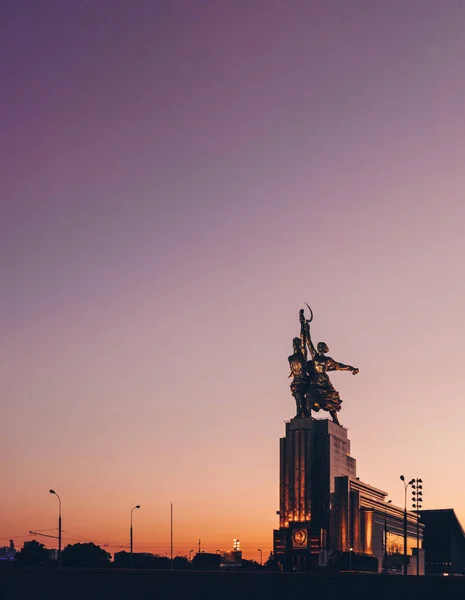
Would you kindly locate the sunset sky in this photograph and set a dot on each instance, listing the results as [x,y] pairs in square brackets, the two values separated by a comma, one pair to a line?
[177,177]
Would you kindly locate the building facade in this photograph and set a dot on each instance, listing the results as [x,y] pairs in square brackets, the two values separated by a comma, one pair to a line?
[444,542]
[328,518]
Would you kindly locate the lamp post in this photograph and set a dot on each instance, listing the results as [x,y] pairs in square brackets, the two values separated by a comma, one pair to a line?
[406,485]
[59,526]
[385,535]
[261,555]
[171,535]
[130,538]
[417,499]
[350,558]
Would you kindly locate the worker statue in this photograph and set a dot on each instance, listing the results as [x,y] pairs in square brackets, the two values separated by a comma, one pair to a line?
[311,386]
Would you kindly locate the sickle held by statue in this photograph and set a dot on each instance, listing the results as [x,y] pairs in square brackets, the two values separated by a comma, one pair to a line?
[311,314]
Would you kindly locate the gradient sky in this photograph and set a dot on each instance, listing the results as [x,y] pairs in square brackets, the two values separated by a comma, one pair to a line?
[177,179]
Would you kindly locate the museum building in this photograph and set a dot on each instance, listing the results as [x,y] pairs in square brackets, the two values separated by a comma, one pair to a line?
[328,518]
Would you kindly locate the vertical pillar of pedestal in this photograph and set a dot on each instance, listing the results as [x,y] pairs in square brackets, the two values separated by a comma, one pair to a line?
[366,515]
[283,484]
[307,474]
[295,468]
[355,542]
[299,437]
[298,483]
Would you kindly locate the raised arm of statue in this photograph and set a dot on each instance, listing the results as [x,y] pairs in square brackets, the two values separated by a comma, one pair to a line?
[303,334]
[332,365]
[308,340]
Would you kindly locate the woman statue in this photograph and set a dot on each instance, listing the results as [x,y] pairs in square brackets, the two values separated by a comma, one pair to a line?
[320,392]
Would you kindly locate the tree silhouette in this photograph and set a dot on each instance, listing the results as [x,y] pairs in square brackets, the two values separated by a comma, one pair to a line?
[271,564]
[33,553]
[85,555]
[181,563]
[145,560]
[250,565]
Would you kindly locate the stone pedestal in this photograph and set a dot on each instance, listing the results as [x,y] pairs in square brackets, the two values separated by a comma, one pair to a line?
[327,516]
[312,454]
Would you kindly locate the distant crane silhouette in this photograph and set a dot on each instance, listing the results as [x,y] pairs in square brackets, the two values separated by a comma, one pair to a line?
[43,534]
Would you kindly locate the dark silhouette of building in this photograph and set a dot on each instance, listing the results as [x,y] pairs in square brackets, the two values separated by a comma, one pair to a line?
[444,542]
[206,561]
[8,553]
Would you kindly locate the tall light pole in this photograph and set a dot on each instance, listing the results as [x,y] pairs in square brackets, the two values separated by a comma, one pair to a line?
[417,499]
[260,550]
[406,485]
[385,535]
[171,534]
[59,526]
[130,538]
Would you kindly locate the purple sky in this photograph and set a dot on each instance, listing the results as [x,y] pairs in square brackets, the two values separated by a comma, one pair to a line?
[177,179]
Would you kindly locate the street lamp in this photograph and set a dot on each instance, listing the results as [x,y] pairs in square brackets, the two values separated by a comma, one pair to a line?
[406,485]
[350,558]
[59,526]
[385,535]
[130,538]
[261,554]
[417,499]
[171,535]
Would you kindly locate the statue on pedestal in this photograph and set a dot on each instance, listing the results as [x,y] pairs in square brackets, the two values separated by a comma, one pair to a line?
[311,386]
[300,382]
